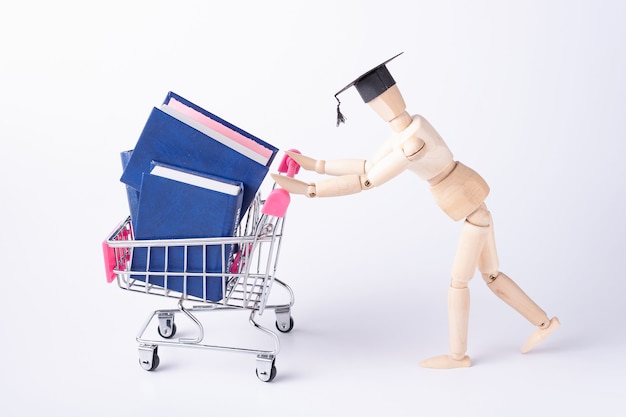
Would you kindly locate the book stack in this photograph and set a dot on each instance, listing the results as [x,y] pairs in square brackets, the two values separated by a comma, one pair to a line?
[190,175]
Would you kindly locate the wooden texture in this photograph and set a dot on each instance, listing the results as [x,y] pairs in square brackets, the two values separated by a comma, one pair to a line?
[389,105]
[461,192]
[344,167]
[458,319]
[540,335]
[469,247]
[509,292]
[338,186]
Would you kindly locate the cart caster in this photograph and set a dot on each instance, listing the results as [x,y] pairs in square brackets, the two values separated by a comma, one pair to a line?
[167,332]
[284,321]
[284,326]
[167,327]
[265,369]
[148,357]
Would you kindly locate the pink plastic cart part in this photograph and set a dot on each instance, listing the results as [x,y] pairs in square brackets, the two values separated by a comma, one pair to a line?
[235,266]
[109,261]
[278,200]
[277,203]
[288,165]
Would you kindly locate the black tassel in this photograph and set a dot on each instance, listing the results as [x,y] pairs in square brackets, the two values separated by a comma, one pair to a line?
[340,117]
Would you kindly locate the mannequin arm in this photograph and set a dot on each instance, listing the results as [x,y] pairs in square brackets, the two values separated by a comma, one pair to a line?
[334,167]
[390,166]
[391,163]
[339,167]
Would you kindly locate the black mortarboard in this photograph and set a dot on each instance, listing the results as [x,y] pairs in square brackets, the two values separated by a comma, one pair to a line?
[369,85]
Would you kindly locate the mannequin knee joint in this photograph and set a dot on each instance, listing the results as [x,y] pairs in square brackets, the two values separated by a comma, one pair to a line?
[490,277]
[455,283]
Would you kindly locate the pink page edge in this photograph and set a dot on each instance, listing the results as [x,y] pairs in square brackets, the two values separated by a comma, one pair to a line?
[220,128]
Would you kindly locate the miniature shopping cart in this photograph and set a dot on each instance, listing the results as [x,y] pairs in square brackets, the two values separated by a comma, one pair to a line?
[244,282]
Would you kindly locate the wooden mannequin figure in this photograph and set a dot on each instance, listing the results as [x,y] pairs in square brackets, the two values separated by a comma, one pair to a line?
[458,190]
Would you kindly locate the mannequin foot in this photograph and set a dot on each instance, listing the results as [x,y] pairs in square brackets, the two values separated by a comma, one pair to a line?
[446,362]
[540,335]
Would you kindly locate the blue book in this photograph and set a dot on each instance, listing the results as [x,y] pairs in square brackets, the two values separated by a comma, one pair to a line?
[175,137]
[132,194]
[177,203]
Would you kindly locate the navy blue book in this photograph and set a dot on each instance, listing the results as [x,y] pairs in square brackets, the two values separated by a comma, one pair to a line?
[131,194]
[185,135]
[177,203]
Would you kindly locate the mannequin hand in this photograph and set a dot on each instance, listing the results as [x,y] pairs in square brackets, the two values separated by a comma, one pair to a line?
[308,163]
[294,186]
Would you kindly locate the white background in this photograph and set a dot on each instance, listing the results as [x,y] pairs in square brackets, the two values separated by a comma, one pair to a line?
[531,94]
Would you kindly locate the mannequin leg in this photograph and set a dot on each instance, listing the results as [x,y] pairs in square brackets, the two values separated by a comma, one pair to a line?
[470,246]
[458,321]
[509,292]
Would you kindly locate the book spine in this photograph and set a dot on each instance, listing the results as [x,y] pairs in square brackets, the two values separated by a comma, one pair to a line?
[132,194]
[232,248]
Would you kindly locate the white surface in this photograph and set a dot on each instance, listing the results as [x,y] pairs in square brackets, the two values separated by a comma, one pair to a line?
[530,94]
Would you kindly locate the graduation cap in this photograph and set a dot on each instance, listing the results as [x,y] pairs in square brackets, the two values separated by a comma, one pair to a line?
[369,85]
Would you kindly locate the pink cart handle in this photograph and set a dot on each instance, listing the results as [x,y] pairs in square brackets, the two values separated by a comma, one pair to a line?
[278,200]
[288,165]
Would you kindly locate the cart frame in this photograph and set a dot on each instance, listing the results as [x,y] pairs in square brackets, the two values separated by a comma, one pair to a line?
[247,277]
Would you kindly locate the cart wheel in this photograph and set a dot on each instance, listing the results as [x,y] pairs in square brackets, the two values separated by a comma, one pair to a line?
[263,376]
[149,361]
[265,369]
[167,332]
[283,326]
